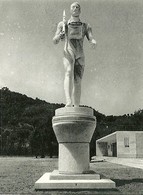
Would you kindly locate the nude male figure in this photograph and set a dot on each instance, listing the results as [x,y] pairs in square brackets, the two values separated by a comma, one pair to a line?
[73,59]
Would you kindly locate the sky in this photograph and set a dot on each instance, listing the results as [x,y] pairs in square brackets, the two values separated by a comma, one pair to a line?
[31,64]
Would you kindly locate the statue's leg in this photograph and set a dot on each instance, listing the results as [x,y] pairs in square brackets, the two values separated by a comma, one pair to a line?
[68,82]
[78,73]
[77,92]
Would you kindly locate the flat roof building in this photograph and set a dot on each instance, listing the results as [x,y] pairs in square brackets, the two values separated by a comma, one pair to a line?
[121,144]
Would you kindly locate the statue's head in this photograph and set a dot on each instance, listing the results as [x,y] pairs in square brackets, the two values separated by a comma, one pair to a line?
[75,9]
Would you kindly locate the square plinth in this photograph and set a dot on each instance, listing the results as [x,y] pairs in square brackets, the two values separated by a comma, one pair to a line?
[55,175]
[45,183]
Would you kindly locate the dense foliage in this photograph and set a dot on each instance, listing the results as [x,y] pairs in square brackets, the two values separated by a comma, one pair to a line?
[26,125]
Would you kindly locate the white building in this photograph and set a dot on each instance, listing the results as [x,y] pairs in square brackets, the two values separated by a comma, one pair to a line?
[121,144]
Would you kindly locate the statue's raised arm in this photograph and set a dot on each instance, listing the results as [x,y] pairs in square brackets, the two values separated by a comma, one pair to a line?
[73,32]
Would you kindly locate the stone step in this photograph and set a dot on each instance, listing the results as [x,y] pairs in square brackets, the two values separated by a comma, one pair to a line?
[45,183]
[91,176]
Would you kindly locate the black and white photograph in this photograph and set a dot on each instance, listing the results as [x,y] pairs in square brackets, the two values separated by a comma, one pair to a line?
[71,97]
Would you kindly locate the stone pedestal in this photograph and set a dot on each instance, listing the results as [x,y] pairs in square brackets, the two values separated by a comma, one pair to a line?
[73,128]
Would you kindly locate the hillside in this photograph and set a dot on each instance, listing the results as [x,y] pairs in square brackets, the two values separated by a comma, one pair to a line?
[26,128]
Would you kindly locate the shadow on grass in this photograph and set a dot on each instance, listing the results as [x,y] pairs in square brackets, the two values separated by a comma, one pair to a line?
[82,192]
[121,182]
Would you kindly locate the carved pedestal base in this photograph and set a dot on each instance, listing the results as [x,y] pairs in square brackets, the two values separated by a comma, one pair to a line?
[73,128]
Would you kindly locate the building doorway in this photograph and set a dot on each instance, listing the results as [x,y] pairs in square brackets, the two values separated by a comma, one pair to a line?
[114,149]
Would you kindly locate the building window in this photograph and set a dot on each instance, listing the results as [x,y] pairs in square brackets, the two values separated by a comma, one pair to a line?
[126,142]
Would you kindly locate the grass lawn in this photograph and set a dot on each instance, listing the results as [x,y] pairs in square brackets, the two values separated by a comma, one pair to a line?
[18,176]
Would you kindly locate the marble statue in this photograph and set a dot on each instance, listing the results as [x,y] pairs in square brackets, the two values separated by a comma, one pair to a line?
[73,32]
[73,125]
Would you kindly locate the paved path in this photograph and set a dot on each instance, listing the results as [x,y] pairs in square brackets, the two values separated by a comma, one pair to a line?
[131,162]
